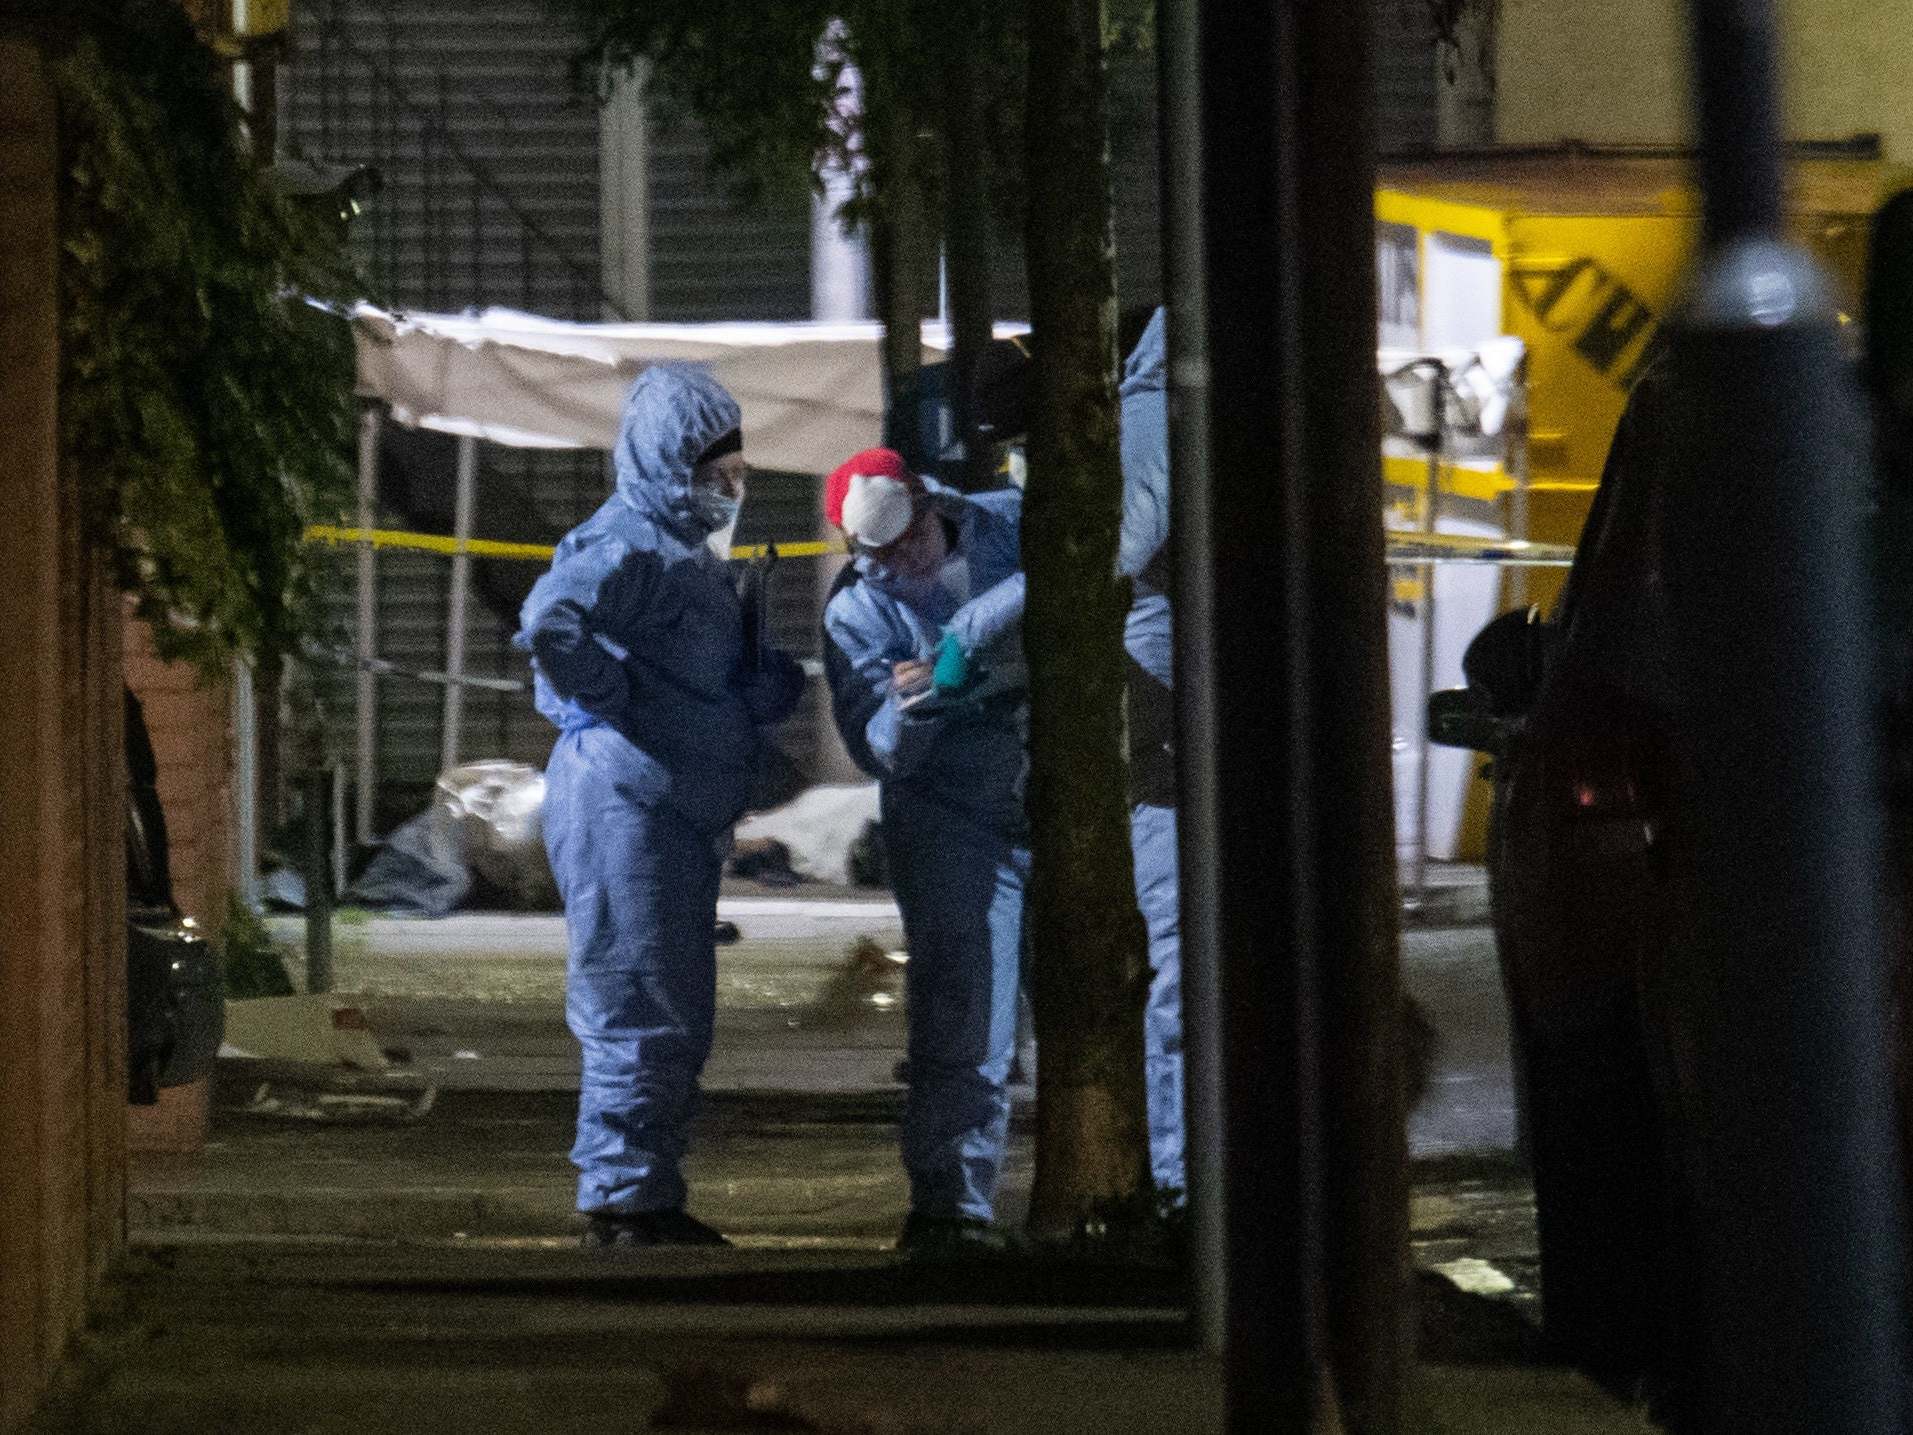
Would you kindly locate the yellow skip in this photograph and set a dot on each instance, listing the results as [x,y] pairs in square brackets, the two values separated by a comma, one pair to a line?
[492,548]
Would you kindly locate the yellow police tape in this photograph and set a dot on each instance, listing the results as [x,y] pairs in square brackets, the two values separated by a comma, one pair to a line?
[492,548]
[1402,547]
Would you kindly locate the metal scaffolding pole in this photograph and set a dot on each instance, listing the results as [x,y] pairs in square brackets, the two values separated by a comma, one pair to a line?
[1430,525]
[340,842]
[462,518]
[316,791]
[368,639]
[245,784]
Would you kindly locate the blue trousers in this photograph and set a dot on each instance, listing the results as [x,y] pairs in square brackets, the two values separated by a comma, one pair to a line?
[960,885]
[1152,839]
[640,890]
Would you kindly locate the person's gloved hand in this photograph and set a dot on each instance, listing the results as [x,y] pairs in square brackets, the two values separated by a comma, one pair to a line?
[772,690]
[952,671]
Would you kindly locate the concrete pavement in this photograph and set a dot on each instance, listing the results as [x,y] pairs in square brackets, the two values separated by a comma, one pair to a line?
[797,1139]
[423,1275]
[476,1000]
[318,1339]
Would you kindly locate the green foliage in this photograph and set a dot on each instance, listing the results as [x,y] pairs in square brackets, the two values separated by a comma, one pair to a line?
[206,407]
[747,71]
[767,82]
[252,964]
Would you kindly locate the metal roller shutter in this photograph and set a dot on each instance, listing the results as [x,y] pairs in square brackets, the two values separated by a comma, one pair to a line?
[1405,70]
[713,257]
[491,197]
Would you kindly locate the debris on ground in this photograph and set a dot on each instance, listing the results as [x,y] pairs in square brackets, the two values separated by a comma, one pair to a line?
[870,979]
[709,1397]
[314,1058]
[299,1102]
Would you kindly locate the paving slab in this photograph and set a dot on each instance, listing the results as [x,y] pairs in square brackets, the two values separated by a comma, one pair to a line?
[322,1339]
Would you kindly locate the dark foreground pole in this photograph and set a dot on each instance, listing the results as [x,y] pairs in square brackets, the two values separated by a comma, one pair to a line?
[1792,1155]
[1241,680]
[1179,70]
[1352,819]
[1290,995]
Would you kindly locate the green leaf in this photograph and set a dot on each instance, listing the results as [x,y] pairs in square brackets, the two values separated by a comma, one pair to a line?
[207,410]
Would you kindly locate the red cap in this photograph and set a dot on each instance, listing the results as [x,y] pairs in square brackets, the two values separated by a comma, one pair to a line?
[871,463]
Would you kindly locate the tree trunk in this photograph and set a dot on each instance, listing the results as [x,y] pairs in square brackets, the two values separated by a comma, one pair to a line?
[1091,968]
[966,246]
[900,246]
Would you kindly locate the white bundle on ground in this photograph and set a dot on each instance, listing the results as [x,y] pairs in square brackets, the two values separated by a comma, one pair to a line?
[495,808]
[819,827]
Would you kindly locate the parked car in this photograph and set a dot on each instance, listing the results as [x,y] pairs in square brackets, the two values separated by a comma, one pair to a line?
[1575,710]
[175,996]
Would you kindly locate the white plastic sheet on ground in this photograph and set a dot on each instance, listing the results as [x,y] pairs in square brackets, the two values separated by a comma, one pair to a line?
[819,826]
[811,392]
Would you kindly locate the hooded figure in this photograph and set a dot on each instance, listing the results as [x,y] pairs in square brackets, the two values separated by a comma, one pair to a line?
[937,570]
[637,639]
[1143,556]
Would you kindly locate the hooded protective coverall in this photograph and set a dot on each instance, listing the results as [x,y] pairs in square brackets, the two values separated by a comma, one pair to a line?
[636,635]
[1144,558]
[952,804]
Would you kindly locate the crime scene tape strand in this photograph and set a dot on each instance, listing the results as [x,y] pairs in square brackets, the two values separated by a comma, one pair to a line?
[493,548]
[1402,547]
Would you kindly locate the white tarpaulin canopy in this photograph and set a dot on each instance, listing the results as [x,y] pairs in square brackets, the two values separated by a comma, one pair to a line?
[811,393]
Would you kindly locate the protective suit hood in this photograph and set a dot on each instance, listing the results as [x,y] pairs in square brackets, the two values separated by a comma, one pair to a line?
[673,413]
[1147,367]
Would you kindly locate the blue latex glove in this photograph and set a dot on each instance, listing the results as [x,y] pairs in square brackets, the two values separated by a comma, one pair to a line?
[952,671]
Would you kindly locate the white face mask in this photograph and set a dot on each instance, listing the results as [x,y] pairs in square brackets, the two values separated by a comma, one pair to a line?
[717,494]
[720,541]
[716,511]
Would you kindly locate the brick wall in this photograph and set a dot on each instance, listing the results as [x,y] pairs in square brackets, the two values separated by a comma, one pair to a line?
[188,721]
[62,789]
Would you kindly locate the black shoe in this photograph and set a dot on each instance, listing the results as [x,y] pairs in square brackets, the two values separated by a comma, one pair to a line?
[951,1238]
[608,1229]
